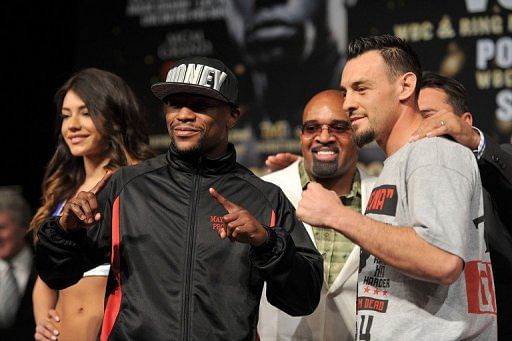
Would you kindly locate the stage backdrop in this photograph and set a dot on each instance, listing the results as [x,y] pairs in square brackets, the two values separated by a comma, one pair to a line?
[469,40]
[284,51]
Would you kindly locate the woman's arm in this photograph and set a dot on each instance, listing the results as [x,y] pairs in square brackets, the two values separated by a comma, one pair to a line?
[44,301]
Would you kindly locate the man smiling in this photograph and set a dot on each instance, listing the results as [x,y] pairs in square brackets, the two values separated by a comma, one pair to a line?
[330,159]
[158,223]
[425,273]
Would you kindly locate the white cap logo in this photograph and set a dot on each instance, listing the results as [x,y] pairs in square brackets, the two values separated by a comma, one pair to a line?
[197,74]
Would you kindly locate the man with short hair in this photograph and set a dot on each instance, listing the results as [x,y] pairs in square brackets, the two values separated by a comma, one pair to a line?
[424,270]
[158,224]
[17,272]
[330,159]
[444,101]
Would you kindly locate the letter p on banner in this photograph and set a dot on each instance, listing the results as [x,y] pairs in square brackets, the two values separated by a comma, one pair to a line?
[480,288]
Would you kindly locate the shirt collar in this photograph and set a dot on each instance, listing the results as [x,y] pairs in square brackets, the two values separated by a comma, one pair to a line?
[202,164]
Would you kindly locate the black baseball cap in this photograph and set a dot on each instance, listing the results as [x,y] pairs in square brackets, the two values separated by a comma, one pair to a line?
[201,76]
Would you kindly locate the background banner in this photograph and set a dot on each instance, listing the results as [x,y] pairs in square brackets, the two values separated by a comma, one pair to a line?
[469,40]
[282,51]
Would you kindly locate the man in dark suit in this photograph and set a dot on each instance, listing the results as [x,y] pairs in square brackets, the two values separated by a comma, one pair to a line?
[447,99]
[17,272]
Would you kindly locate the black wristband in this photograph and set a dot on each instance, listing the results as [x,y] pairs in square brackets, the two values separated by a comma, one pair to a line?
[271,241]
[53,231]
[53,222]
[272,235]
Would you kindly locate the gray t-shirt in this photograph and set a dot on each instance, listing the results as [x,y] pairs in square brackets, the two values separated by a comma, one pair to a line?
[432,185]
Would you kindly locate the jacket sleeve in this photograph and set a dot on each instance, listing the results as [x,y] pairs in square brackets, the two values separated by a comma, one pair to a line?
[63,257]
[290,263]
[495,166]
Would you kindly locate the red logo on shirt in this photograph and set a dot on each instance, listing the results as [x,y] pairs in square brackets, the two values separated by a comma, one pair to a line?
[217,222]
[369,303]
[480,288]
[383,200]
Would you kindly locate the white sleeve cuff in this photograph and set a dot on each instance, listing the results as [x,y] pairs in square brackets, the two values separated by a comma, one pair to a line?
[481,146]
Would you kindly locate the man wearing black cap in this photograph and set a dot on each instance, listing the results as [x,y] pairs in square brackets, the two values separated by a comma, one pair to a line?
[158,224]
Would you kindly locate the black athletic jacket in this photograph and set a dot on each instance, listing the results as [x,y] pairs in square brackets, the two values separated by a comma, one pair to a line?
[176,279]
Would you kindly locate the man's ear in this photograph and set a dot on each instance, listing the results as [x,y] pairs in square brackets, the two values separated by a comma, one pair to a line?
[407,85]
[467,117]
[233,117]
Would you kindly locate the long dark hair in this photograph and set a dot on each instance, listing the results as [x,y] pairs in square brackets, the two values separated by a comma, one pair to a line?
[119,118]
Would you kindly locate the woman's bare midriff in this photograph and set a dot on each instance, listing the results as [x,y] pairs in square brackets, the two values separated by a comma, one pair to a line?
[80,308]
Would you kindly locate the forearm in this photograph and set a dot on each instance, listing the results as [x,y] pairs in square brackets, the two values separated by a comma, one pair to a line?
[400,247]
[44,298]
[60,258]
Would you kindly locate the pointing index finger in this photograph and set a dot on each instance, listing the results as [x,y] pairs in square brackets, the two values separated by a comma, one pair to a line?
[99,186]
[228,205]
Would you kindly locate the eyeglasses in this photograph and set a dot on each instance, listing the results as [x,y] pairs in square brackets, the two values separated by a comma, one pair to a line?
[310,129]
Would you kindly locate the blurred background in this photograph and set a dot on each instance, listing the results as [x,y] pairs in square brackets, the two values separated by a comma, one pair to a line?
[283,51]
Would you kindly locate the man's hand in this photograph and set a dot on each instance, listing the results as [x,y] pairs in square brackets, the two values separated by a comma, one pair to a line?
[319,207]
[82,210]
[46,330]
[239,224]
[280,161]
[447,123]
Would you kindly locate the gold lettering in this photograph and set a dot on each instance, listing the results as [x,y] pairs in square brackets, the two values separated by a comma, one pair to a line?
[400,31]
[480,26]
[483,79]
[159,141]
[278,129]
[494,79]
[445,29]
[240,135]
[277,146]
[415,31]
[497,78]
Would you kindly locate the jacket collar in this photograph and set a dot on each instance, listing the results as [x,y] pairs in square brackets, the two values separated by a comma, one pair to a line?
[202,164]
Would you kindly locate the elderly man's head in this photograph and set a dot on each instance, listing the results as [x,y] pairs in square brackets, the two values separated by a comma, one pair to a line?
[15,217]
